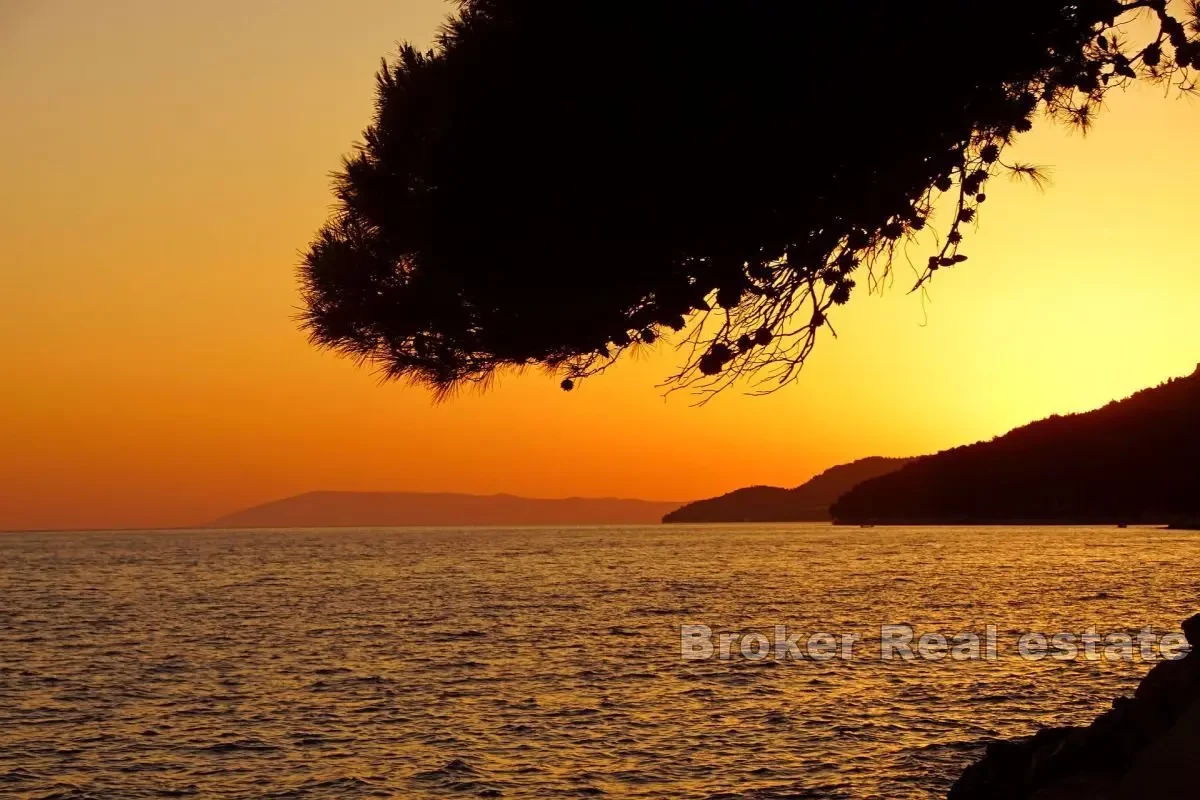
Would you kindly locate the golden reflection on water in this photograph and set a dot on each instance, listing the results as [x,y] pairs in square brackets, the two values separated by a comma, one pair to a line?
[536,663]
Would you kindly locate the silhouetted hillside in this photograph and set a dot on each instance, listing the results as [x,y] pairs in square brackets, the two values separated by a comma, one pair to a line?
[384,509]
[806,503]
[1136,460]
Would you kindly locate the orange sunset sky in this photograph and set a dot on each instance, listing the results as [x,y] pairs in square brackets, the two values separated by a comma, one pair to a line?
[164,164]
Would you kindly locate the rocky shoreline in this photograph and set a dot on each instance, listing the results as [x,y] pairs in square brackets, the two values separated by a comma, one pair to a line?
[1143,747]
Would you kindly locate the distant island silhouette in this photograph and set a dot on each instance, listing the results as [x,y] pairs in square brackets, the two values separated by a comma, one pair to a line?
[808,502]
[388,509]
[1133,461]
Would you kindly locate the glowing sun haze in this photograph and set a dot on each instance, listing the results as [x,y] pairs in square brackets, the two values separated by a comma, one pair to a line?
[164,164]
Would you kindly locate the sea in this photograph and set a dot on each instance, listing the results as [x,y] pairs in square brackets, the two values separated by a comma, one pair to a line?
[561,662]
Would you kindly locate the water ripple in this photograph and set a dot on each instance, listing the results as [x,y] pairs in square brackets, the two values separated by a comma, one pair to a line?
[543,663]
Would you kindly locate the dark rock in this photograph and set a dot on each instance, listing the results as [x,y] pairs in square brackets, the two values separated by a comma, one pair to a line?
[1143,747]
[1191,629]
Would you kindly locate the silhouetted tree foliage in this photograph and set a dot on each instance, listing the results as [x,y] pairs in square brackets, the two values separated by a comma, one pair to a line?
[557,182]
[1137,460]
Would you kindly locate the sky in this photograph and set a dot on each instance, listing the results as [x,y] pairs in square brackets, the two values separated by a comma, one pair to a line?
[164,165]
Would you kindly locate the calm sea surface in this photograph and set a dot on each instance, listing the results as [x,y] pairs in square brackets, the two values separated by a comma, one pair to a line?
[545,663]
